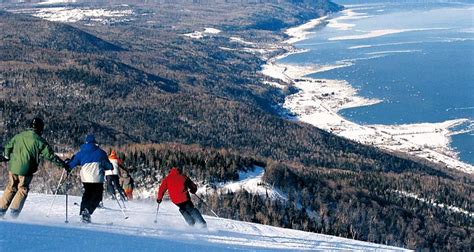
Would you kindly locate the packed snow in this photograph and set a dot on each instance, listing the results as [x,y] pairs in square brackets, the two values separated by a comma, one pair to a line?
[319,100]
[111,232]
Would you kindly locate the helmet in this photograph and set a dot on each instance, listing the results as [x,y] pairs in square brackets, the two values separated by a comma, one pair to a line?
[37,124]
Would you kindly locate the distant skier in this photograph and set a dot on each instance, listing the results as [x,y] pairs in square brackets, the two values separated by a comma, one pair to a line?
[178,186]
[112,176]
[126,181]
[94,162]
[24,152]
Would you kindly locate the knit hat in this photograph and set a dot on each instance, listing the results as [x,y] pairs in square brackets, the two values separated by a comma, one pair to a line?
[37,124]
[90,139]
[113,155]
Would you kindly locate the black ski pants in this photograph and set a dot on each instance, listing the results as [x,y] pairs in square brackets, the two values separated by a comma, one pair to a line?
[113,183]
[191,214]
[92,196]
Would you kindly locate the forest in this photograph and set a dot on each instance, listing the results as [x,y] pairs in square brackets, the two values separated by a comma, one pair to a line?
[362,205]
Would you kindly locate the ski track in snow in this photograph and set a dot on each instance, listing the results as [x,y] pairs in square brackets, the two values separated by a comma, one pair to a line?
[33,230]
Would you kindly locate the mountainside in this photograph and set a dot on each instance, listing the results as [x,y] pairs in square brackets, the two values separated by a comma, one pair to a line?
[147,94]
[151,80]
[109,231]
[406,209]
[47,35]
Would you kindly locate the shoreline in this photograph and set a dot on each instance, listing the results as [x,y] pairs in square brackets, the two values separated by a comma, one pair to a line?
[318,101]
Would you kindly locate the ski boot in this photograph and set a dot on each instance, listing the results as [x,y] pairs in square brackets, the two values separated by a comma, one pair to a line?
[85,216]
[2,213]
[14,213]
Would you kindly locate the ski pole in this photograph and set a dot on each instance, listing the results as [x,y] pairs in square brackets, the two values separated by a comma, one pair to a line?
[121,209]
[55,193]
[122,196]
[206,205]
[156,216]
[67,188]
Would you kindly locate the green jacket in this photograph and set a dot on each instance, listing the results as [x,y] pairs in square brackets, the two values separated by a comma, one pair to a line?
[25,150]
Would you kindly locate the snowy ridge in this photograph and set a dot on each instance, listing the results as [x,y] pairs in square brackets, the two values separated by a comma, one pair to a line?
[34,230]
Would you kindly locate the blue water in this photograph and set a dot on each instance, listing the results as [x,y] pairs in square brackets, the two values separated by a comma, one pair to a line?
[422,73]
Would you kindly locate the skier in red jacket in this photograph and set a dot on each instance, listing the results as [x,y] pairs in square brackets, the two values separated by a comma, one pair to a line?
[178,185]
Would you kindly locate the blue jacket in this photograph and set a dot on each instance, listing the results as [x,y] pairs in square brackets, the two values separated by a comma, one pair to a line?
[93,161]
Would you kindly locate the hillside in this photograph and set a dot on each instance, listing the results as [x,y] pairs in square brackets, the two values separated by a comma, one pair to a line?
[405,209]
[139,232]
[173,89]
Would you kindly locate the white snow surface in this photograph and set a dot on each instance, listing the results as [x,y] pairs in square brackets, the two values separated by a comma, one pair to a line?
[302,32]
[202,34]
[56,2]
[111,232]
[212,30]
[250,181]
[434,203]
[347,14]
[76,14]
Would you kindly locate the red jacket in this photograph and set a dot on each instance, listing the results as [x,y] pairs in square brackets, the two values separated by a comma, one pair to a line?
[178,186]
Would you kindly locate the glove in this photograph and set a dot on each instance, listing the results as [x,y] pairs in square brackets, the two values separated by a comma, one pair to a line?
[158,201]
[66,165]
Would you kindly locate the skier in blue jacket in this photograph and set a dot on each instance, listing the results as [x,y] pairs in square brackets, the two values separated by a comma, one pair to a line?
[93,161]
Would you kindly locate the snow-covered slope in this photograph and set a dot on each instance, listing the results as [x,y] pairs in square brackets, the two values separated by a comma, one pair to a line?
[250,181]
[34,231]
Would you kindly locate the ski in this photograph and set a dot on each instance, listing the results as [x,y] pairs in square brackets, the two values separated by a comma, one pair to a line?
[106,208]
[96,223]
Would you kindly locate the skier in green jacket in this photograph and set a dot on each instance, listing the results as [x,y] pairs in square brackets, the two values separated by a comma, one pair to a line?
[24,152]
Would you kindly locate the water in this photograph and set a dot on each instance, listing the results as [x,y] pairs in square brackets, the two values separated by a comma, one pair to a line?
[417,58]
